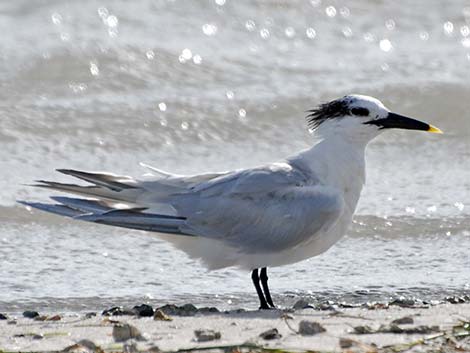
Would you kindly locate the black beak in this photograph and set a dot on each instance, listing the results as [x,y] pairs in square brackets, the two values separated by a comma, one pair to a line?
[396,121]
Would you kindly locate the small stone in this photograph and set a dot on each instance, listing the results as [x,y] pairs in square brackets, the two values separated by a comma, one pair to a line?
[207,335]
[272,334]
[90,315]
[302,304]
[37,336]
[309,328]
[161,316]
[403,302]
[403,321]
[326,306]
[83,346]
[30,314]
[392,329]
[90,345]
[3,317]
[143,310]
[117,311]
[185,310]
[189,308]
[54,318]
[11,322]
[363,330]
[208,310]
[124,332]
[346,343]
[41,318]
[455,300]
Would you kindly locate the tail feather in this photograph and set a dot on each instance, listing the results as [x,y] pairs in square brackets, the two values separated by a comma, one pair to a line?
[93,191]
[58,209]
[110,181]
[95,212]
[83,205]
[100,204]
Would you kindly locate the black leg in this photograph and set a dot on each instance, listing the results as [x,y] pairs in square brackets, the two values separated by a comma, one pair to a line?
[264,283]
[262,300]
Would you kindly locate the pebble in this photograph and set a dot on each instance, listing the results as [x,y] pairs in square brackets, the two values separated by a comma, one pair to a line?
[403,320]
[184,310]
[455,300]
[207,335]
[30,314]
[161,316]
[143,310]
[302,304]
[90,315]
[34,336]
[54,318]
[345,343]
[363,330]
[83,346]
[117,311]
[124,332]
[3,317]
[272,334]
[310,328]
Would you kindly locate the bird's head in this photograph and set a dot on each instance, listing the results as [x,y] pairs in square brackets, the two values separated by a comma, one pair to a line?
[361,118]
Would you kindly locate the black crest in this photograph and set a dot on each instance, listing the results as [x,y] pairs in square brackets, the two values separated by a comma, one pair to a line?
[334,109]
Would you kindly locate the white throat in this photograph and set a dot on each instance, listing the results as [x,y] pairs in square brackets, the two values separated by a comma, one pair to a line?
[338,162]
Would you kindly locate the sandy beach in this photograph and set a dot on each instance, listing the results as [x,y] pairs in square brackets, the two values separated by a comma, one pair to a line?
[375,327]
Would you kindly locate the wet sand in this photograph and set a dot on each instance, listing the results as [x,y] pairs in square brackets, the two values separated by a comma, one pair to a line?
[365,328]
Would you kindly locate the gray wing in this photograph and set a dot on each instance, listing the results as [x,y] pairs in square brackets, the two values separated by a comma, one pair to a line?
[270,208]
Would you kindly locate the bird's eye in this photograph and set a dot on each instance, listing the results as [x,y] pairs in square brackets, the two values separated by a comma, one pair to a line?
[360,111]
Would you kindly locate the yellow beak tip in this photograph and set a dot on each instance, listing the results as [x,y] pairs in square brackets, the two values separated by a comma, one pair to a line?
[434,130]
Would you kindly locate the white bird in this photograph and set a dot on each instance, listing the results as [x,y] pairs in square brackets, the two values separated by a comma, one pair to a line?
[272,215]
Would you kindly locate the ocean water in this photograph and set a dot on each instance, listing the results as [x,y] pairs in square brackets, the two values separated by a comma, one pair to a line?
[191,86]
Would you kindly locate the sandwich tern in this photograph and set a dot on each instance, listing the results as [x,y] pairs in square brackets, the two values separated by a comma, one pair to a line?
[272,215]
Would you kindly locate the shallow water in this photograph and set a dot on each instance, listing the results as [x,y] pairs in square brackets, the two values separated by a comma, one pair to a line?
[192,86]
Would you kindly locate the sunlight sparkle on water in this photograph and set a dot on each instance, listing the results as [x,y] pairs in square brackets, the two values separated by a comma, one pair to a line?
[347,32]
[385,45]
[448,28]
[197,59]
[250,25]
[465,31]
[56,18]
[112,21]
[466,42]
[390,24]
[264,33]
[230,95]
[290,32]
[209,29]
[344,12]
[150,54]
[310,33]
[330,11]
[423,35]
[103,12]
[369,37]
[94,70]
[186,53]
[162,106]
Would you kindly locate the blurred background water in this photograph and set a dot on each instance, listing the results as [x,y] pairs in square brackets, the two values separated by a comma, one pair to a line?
[191,86]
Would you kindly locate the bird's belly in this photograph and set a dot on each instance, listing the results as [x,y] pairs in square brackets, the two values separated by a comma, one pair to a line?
[216,254]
